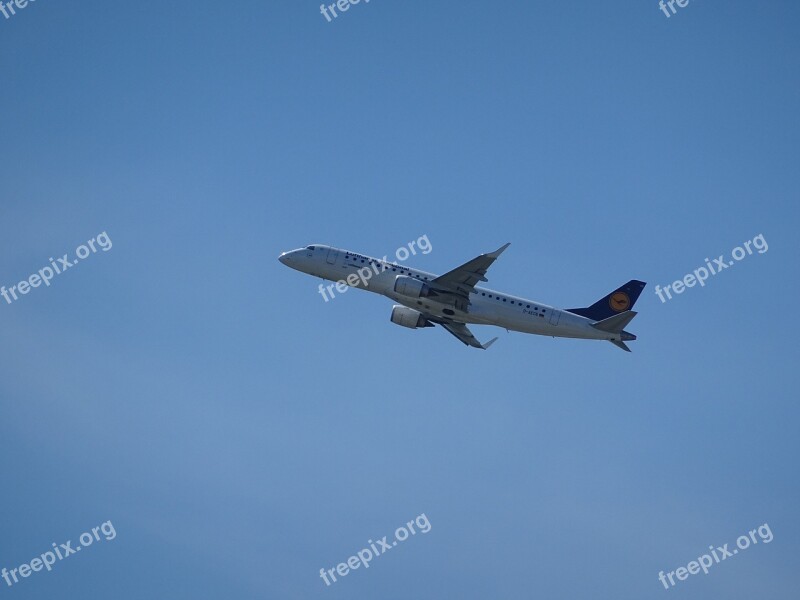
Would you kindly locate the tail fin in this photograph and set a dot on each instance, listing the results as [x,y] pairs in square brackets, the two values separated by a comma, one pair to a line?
[618,301]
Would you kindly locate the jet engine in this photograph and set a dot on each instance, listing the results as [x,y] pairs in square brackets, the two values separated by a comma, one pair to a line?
[408,286]
[408,317]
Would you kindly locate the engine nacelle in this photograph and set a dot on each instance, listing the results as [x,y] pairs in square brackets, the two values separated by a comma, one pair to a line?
[408,286]
[408,317]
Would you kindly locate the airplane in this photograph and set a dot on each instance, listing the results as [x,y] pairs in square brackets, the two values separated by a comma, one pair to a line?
[454,300]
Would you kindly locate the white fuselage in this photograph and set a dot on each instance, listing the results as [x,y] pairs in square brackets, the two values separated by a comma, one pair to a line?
[486,307]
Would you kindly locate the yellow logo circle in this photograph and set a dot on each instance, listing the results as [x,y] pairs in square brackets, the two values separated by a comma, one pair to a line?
[619,301]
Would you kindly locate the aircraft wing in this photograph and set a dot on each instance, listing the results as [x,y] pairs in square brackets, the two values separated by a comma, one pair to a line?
[463,333]
[462,280]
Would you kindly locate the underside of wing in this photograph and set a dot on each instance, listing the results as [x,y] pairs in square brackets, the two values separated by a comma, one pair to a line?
[461,281]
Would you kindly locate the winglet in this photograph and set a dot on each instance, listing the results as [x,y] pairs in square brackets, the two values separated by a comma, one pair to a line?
[499,251]
[491,341]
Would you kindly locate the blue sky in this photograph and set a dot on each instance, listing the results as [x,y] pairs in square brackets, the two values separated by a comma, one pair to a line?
[240,433]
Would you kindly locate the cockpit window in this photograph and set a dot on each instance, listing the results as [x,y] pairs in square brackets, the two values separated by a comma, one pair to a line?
[310,248]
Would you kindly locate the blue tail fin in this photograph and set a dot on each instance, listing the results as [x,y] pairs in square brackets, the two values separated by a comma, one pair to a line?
[618,301]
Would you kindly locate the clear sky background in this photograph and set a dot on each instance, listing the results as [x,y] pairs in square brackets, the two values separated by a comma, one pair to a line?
[240,433]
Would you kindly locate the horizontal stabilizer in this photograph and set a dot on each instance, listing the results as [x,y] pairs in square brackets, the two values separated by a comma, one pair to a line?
[616,323]
[622,345]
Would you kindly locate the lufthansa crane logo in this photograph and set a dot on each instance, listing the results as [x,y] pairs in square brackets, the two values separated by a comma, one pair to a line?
[619,301]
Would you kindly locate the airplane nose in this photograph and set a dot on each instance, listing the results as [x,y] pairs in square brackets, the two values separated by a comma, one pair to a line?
[284,258]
